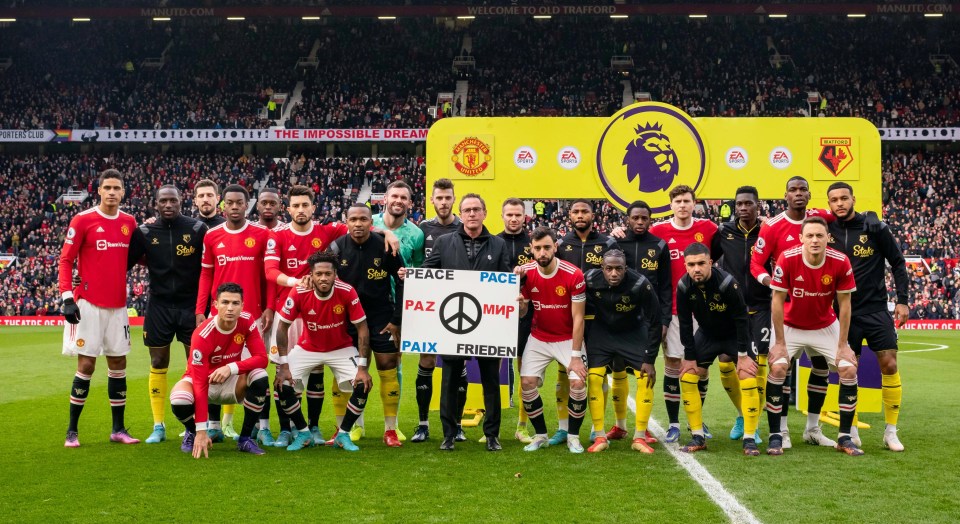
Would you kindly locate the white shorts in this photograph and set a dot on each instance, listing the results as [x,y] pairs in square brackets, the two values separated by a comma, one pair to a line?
[101,331]
[537,355]
[270,340]
[343,362]
[672,348]
[821,342]
[223,393]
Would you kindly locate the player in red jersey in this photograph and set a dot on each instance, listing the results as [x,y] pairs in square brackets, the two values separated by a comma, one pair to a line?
[325,310]
[679,232]
[777,235]
[216,372]
[557,290]
[98,241]
[813,275]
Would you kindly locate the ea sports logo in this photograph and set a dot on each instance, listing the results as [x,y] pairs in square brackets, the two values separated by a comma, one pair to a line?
[781,157]
[568,157]
[646,150]
[736,158]
[525,157]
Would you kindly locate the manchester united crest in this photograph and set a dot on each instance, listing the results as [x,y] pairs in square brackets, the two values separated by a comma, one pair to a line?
[316,243]
[338,309]
[826,279]
[472,157]
[561,291]
[125,230]
[698,237]
[239,338]
[249,242]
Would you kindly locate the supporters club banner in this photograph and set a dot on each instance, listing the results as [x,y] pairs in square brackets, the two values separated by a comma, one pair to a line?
[460,313]
[274,134]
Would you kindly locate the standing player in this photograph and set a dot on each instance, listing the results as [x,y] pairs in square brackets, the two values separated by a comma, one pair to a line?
[236,251]
[584,248]
[778,234]
[712,297]
[627,325]
[206,197]
[444,223]
[215,372]
[733,248]
[648,255]
[868,253]
[365,264]
[325,311]
[171,248]
[679,232]
[517,240]
[558,293]
[813,275]
[98,241]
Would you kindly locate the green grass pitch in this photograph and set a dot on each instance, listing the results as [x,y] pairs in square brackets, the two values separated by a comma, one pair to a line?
[100,481]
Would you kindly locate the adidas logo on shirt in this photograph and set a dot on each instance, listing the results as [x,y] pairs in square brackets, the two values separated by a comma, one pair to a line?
[220,245]
[799,278]
[534,290]
[311,312]
[789,238]
[291,248]
[672,241]
[100,230]
[429,237]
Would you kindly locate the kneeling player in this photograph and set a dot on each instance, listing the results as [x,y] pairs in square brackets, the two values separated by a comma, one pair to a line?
[712,297]
[325,311]
[215,373]
[814,275]
[557,291]
[626,325]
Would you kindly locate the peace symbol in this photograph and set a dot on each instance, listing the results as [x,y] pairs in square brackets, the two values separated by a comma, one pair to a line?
[460,313]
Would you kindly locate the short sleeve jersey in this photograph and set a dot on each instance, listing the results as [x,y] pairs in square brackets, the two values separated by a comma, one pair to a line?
[777,235]
[811,289]
[677,239]
[239,256]
[211,348]
[324,319]
[294,248]
[551,297]
[101,243]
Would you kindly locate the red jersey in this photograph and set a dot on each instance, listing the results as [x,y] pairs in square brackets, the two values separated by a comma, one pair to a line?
[324,319]
[212,348]
[811,289]
[551,296]
[101,243]
[677,239]
[293,249]
[777,235]
[237,256]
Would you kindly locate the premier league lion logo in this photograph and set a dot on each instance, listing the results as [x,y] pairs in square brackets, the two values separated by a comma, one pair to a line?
[650,157]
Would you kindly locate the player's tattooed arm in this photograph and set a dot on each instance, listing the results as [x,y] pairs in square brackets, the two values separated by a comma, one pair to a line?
[363,346]
[283,369]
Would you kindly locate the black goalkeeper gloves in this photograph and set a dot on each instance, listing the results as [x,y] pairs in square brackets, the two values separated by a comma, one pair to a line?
[71,311]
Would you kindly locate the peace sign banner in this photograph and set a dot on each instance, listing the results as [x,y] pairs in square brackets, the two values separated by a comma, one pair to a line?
[460,313]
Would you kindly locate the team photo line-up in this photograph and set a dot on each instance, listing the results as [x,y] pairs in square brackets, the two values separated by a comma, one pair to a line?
[316,297]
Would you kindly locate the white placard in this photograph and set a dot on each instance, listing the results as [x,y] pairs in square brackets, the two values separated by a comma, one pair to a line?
[460,313]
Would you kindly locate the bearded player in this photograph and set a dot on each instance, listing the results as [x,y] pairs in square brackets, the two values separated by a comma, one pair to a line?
[679,232]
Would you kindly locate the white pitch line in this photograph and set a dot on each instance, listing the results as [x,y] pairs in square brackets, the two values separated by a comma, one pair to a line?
[732,507]
[933,347]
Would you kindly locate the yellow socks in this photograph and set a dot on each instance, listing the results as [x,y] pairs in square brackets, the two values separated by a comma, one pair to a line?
[390,396]
[595,397]
[762,376]
[157,384]
[730,382]
[621,390]
[644,404]
[892,395]
[563,397]
[750,405]
[690,398]
[339,402]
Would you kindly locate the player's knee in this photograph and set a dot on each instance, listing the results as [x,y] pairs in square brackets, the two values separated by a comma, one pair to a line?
[578,385]
[778,369]
[428,361]
[387,361]
[847,370]
[888,362]
[671,362]
[744,374]
[180,397]
[258,381]
[86,365]
[528,383]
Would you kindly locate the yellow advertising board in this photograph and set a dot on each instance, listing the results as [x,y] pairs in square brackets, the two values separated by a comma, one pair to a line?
[645,149]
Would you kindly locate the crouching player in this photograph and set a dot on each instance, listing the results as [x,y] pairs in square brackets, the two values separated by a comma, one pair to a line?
[216,373]
[626,325]
[712,297]
[325,311]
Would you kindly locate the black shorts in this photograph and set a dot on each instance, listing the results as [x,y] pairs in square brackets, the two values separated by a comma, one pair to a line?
[604,348]
[877,328]
[709,348]
[761,331]
[378,343]
[162,323]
